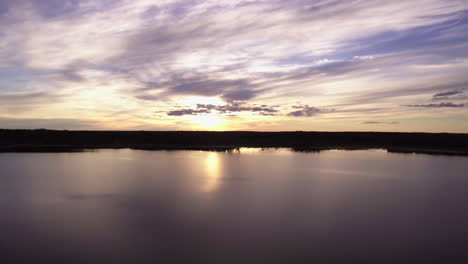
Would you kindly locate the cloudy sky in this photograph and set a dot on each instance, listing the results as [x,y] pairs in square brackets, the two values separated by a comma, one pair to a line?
[234,65]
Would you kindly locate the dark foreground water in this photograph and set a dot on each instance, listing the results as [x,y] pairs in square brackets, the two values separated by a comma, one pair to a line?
[273,206]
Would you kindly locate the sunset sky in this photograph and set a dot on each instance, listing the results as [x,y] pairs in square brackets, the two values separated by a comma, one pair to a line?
[266,65]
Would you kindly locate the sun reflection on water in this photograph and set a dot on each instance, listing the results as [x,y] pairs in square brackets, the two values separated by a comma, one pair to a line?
[250,150]
[213,172]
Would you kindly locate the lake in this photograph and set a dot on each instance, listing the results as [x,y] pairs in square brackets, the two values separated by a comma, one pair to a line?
[246,206]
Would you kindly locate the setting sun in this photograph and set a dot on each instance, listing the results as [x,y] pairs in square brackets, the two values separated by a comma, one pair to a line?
[212,122]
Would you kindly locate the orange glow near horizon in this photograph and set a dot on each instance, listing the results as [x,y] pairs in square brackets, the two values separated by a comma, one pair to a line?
[211,122]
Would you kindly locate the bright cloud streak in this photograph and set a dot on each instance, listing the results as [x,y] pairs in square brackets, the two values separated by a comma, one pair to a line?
[262,65]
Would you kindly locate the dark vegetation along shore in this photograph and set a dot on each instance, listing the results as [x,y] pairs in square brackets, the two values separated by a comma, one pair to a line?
[41,140]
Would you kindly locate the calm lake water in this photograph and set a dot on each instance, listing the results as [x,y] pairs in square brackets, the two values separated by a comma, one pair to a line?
[252,206]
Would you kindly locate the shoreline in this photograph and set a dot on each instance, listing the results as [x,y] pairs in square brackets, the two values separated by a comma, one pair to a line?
[75,149]
[56,141]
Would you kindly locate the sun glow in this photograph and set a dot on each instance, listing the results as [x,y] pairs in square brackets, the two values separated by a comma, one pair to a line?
[208,122]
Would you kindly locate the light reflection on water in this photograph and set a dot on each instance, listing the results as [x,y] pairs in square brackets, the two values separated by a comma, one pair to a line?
[246,206]
[213,172]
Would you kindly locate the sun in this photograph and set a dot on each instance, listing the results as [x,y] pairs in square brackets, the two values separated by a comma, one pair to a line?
[211,122]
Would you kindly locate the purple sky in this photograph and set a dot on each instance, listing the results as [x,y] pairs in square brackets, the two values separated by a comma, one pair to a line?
[234,65]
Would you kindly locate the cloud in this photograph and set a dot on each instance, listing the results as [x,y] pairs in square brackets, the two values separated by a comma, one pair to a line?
[143,55]
[228,89]
[305,111]
[441,105]
[450,95]
[56,123]
[380,122]
[182,112]
[230,108]
[200,38]
[148,97]
[400,91]
[54,8]
[23,96]
[231,90]
[27,100]
[238,107]
[31,103]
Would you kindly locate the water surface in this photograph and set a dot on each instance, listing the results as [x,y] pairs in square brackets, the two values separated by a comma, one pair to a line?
[252,206]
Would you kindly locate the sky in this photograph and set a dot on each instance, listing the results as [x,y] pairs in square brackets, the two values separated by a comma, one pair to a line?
[263,65]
